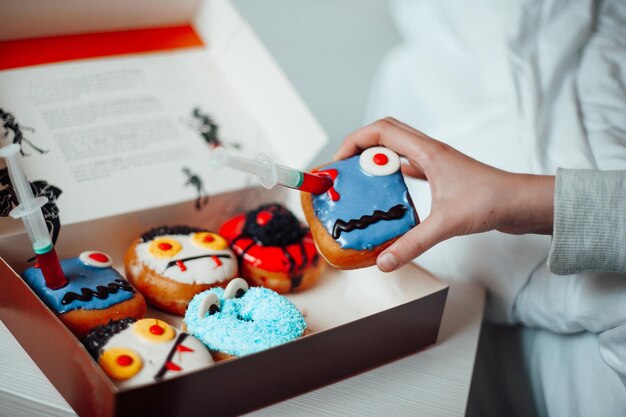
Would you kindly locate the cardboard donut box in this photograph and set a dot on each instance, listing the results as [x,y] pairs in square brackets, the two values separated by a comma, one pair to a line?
[358,319]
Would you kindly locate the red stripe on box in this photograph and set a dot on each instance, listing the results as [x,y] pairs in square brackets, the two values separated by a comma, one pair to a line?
[36,51]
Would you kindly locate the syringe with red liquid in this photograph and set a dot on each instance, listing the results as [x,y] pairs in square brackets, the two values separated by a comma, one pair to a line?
[269,173]
[29,210]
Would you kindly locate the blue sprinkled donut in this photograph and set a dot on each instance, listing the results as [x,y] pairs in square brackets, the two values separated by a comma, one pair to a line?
[240,320]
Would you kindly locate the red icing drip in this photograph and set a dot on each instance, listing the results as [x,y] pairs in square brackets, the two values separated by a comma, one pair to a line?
[51,270]
[380,159]
[217,261]
[183,348]
[171,366]
[124,360]
[315,183]
[157,330]
[165,246]
[263,218]
[208,239]
[181,265]
[332,193]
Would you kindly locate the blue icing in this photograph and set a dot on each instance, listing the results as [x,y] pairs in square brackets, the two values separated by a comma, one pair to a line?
[360,195]
[259,320]
[79,276]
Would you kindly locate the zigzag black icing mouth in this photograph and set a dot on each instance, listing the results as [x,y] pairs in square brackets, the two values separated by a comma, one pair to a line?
[396,212]
[102,292]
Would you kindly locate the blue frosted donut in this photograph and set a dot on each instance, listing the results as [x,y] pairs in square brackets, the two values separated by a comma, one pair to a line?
[239,320]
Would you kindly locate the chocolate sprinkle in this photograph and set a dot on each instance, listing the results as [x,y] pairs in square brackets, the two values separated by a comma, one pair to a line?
[100,336]
[169,230]
[282,229]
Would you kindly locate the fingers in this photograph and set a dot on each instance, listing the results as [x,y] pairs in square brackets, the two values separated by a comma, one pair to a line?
[352,146]
[413,171]
[413,243]
[387,132]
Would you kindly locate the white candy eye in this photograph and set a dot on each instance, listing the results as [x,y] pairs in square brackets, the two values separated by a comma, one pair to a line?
[379,161]
[236,288]
[97,259]
[210,304]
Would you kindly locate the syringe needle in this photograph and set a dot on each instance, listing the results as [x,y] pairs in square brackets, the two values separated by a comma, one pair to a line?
[269,173]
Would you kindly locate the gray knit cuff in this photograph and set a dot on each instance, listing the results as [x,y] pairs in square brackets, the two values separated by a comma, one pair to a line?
[589,222]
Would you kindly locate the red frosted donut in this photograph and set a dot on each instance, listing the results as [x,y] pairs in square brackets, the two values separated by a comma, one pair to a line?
[274,249]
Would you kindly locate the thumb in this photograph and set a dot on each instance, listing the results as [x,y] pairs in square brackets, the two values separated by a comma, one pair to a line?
[412,244]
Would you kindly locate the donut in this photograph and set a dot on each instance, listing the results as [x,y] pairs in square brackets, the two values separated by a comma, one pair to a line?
[366,210]
[134,353]
[238,320]
[274,249]
[169,265]
[95,293]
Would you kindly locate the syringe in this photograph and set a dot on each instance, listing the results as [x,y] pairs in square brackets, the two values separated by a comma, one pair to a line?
[29,210]
[269,173]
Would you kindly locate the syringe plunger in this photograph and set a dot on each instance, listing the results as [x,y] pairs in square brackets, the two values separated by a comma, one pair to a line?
[29,210]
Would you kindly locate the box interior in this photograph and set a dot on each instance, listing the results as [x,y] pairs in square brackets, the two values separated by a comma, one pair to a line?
[267,115]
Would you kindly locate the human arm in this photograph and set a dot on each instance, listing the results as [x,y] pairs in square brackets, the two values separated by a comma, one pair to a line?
[467,196]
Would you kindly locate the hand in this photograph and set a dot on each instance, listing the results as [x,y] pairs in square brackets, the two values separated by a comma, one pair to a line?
[467,196]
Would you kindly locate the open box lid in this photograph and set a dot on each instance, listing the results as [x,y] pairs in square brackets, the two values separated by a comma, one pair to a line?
[227,73]
[118,134]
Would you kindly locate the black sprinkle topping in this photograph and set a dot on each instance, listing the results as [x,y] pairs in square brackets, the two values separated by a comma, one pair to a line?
[281,230]
[169,230]
[100,336]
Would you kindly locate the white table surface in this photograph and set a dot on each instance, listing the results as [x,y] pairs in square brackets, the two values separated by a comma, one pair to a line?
[433,382]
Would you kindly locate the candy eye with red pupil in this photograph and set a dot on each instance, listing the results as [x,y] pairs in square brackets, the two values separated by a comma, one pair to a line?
[209,241]
[154,330]
[124,360]
[157,330]
[165,246]
[263,218]
[97,259]
[120,363]
[379,161]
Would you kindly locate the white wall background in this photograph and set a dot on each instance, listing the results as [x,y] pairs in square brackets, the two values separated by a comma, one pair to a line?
[329,49]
